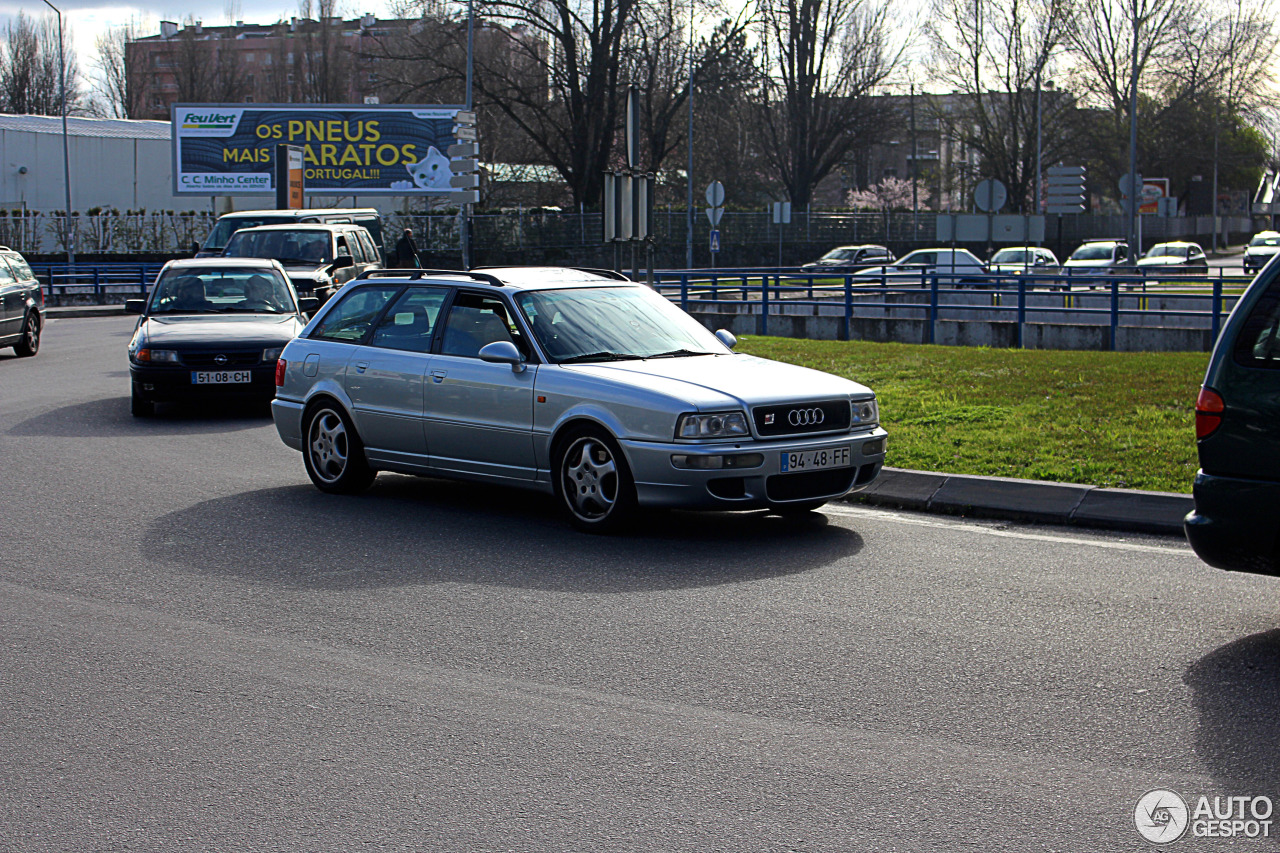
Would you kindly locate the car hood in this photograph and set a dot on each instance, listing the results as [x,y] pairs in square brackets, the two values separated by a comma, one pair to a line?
[716,381]
[1104,262]
[229,329]
[1261,250]
[1162,262]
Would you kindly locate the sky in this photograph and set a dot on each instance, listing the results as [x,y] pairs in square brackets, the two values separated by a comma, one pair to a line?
[87,19]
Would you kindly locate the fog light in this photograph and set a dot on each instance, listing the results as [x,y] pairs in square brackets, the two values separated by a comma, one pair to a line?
[873,448]
[716,463]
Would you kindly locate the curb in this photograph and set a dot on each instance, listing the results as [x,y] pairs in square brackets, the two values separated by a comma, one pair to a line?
[1038,501]
[1029,500]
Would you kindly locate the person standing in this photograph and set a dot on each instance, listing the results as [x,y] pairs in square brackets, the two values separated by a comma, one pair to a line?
[406,252]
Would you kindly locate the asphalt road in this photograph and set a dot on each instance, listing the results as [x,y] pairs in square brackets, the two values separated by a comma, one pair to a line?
[201,652]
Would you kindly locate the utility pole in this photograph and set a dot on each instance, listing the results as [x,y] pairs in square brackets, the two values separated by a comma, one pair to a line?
[1135,189]
[915,202]
[688,248]
[66,154]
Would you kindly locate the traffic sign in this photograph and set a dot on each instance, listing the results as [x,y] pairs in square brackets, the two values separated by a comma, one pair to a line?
[464,117]
[782,212]
[1127,184]
[464,149]
[464,164]
[990,195]
[468,181]
[715,193]
[466,197]
[715,240]
[464,131]
[1066,172]
[714,214]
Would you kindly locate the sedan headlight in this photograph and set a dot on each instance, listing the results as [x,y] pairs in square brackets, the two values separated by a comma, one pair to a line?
[865,412]
[157,356]
[713,425]
[271,354]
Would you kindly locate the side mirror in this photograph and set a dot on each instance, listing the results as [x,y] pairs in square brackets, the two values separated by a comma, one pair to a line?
[307,304]
[726,337]
[342,262]
[503,352]
[195,247]
[135,306]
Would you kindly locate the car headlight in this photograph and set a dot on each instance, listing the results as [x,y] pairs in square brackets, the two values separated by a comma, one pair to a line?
[865,412]
[157,356]
[713,425]
[271,354]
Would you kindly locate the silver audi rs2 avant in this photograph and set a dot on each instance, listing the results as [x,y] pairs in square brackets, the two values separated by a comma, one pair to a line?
[578,383]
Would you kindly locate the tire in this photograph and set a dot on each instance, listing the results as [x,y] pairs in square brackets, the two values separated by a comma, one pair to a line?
[333,452]
[593,483]
[139,405]
[29,344]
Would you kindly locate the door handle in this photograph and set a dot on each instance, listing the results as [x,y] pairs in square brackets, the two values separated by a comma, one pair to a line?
[361,366]
[438,375]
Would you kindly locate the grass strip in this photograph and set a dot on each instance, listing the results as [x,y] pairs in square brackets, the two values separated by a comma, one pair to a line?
[1114,419]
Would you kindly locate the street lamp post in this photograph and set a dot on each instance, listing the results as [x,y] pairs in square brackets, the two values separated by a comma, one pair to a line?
[66,151]
[1135,186]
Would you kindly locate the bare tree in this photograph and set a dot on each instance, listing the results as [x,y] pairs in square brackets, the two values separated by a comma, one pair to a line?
[30,68]
[324,62]
[995,56]
[205,72]
[116,85]
[823,60]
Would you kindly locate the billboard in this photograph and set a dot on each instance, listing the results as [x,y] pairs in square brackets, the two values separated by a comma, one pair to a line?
[1153,189]
[348,149]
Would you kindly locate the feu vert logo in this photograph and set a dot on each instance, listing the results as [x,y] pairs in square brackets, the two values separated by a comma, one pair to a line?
[192,120]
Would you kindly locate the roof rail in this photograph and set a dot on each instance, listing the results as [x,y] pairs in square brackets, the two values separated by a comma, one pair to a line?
[415,273]
[613,274]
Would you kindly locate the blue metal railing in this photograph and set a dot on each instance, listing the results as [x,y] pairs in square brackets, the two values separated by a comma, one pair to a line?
[98,280]
[1018,299]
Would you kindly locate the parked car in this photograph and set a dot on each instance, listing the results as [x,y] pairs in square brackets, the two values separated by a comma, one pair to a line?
[579,384]
[1262,248]
[846,258]
[229,223]
[319,258]
[1020,260]
[21,304]
[1178,257]
[948,266]
[1098,257]
[212,328]
[1237,489]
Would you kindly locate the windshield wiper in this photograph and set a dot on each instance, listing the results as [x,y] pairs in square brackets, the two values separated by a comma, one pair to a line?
[675,353]
[600,356]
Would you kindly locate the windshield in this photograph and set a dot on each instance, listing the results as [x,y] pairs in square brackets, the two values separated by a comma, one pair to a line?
[1092,253]
[1012,256]
[1167,250]
[305,248]
[1265,241]
[225,227]
[219,291]
[612,324]
[840,255]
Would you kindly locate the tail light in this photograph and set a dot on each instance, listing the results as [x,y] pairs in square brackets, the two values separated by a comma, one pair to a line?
[280,366]
[1209,408]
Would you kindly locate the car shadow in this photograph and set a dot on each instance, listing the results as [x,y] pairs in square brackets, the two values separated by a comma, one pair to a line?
[1237,691]
[110,417]
[408,530]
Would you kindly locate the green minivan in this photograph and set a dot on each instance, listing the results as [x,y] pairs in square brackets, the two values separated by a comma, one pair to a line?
[1236,521]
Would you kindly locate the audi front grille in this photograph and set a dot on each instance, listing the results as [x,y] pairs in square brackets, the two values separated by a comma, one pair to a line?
[802,418]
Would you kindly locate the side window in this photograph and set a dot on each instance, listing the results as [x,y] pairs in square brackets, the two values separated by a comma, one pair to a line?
[474,321]
[20,267]
[343,248]
[6,277]
[366,243]
[352,318]
[409,323]
[1258,344]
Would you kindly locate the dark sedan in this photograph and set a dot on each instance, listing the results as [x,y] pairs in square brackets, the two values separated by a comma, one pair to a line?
[21,304]
[212,328]
[847,258]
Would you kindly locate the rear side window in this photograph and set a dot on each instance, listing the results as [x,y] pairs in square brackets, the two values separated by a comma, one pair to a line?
[6,277]
[1258,344]
[411,320]
[20,267]
[351,319]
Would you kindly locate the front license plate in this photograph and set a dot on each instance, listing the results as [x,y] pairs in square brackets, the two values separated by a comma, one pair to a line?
[220,377]
[816,460]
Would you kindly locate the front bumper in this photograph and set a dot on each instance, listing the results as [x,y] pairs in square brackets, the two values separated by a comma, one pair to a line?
[659,483]
[1233,525]
[174,383]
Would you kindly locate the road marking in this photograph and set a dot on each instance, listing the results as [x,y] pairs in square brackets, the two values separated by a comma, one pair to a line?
[971,527]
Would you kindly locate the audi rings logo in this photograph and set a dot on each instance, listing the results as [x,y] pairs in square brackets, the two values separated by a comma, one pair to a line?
[806,417]
[219,359]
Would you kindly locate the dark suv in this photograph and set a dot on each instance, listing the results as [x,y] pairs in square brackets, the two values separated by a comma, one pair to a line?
[319,258]
[1237,490]
[21,304]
